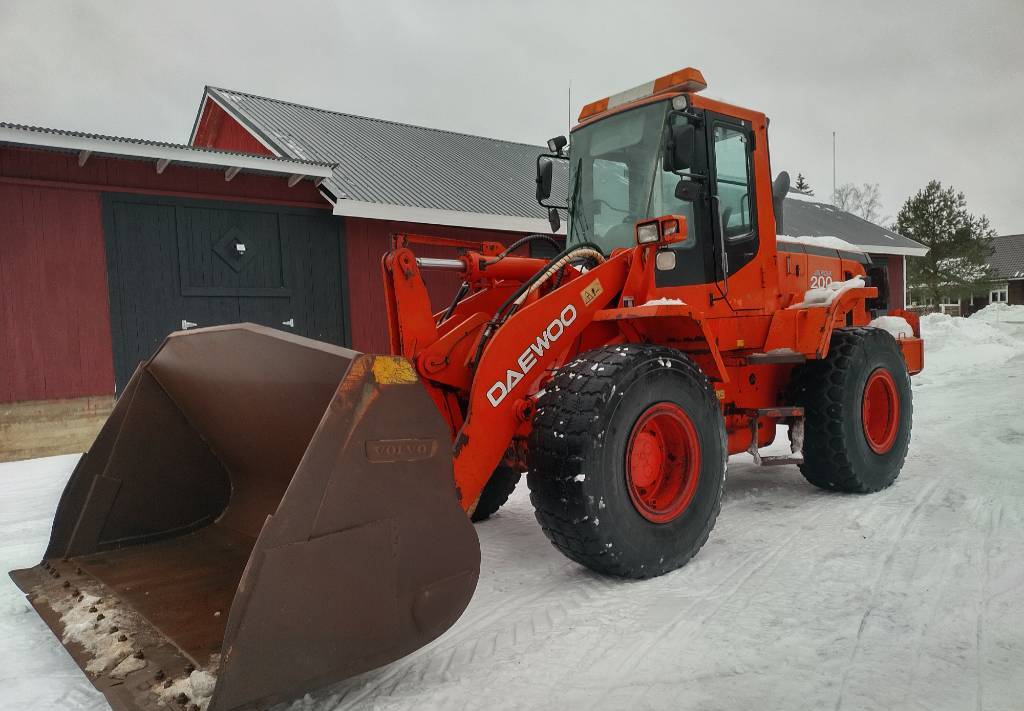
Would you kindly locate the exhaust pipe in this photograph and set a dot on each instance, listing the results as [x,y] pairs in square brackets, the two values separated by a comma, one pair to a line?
[262,514]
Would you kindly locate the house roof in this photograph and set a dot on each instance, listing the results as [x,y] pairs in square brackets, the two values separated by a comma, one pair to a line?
[390,170]
[802,215]
[87,144]
[1008,256]
[435,175]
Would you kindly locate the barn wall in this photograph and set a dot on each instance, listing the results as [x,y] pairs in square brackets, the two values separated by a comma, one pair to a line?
[366,242]
[54,320]
[896,281]
[54,315]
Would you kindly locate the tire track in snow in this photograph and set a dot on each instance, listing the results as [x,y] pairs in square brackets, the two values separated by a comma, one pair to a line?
[481,640]
[994,518]
[634,656]
[908,519]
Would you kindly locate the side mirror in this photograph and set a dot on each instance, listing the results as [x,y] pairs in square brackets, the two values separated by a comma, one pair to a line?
[553,219]
[679,147]
[544,167]
[556,144]
[687,190]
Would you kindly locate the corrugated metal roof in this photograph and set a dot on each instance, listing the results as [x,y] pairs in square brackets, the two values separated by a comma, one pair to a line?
[815,219]
[20,134]
[1008,256]
[395,163]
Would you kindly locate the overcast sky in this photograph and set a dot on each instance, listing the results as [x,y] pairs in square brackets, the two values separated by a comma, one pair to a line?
[915,89]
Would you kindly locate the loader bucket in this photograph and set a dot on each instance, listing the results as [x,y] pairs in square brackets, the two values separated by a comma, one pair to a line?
[262,514]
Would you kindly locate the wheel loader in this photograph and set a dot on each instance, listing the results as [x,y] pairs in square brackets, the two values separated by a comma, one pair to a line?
[264,514]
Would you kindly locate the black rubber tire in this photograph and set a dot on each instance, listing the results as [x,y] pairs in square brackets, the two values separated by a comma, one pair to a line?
[577,452]
[836,452]
[496,492]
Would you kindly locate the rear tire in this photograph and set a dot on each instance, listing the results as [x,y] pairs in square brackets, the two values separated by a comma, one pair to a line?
[496,492]
[859,412]
[627,460]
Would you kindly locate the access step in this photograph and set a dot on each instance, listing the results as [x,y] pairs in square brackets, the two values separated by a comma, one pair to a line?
[794,417]
[776,357]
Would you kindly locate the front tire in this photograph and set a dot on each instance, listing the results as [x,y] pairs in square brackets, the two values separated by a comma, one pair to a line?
[627,460]
[858,412]
[496,492]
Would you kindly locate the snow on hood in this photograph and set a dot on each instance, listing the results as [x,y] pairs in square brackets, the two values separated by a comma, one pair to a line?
[823,296]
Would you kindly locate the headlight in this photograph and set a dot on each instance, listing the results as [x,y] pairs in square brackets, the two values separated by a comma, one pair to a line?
[647,233]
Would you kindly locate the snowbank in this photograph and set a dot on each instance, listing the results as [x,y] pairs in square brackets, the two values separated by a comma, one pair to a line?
[954,345]
[826,242]
[1000,313]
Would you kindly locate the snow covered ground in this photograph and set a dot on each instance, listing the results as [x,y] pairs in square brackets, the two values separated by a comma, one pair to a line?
[912,598]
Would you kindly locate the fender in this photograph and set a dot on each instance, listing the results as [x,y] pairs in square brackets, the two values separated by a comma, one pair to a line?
[809,331]
[680,320]
[518,356]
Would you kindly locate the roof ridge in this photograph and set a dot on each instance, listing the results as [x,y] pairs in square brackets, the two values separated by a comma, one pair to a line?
[371,118]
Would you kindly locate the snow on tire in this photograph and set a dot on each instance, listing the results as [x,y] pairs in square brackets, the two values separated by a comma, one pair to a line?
[859,411]
[627,460]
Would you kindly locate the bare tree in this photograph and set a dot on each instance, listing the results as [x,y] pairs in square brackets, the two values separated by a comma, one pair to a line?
[864,201]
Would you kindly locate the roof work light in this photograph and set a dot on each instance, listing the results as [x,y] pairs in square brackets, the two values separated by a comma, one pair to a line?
[685,80]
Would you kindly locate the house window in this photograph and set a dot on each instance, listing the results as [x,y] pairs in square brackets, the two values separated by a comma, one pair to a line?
[998,295]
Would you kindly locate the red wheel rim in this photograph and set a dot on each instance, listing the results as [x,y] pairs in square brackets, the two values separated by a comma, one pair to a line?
[662,462]
[880,411]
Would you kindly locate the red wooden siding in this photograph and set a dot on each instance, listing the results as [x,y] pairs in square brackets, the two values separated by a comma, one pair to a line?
[54,317]
[366,242]
[218,130]
[896,280]
[54,320]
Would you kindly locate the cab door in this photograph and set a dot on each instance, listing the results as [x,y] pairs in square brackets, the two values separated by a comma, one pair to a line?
[734,207]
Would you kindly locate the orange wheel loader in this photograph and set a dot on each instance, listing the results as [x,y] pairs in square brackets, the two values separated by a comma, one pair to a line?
[264,514]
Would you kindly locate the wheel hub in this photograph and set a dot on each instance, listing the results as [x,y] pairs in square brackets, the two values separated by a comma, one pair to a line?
[880,411]
[662,462]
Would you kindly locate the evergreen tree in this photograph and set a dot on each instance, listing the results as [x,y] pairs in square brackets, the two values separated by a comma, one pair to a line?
[958,242]
[802,186]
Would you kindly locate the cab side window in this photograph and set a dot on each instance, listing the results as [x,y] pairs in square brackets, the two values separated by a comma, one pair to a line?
[733,180]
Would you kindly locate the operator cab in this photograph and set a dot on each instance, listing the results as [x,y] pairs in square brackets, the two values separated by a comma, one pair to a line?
[633,158]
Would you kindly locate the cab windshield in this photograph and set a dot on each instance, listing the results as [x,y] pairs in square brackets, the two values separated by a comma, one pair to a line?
[616,177]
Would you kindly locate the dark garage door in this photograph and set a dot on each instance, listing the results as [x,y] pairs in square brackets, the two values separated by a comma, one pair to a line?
[175,263]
